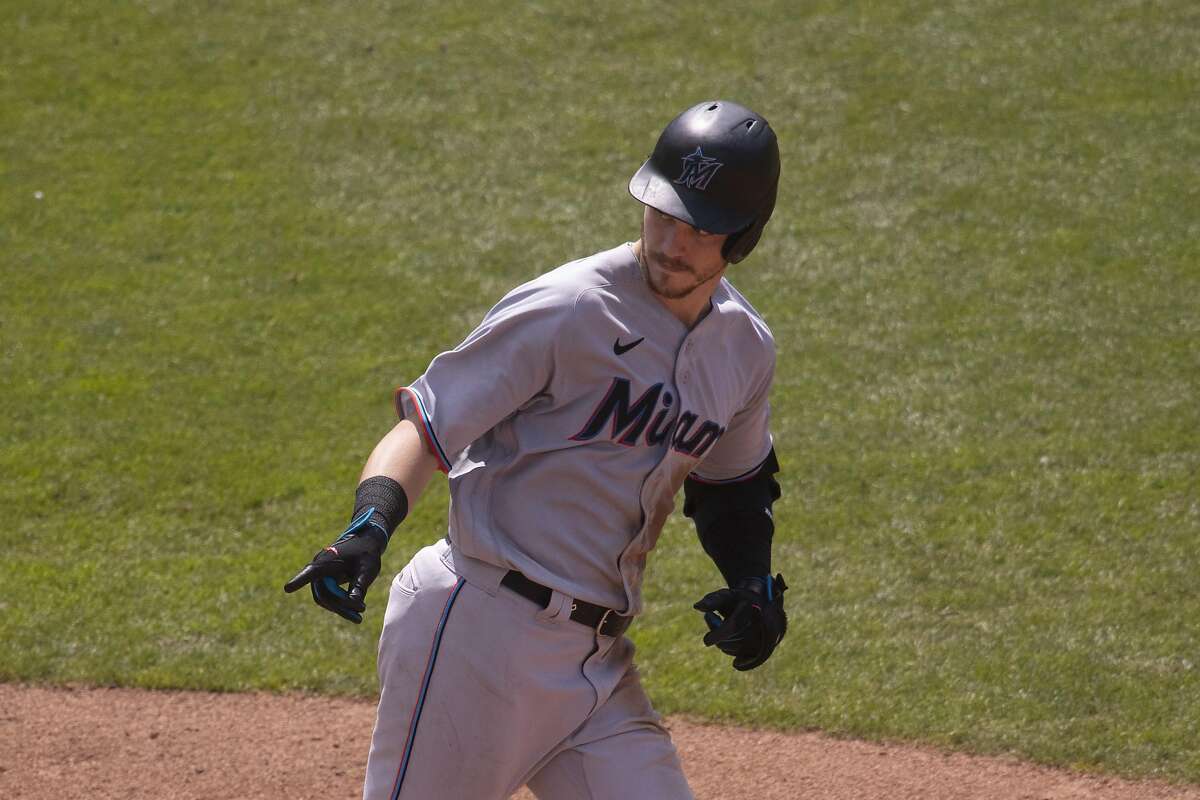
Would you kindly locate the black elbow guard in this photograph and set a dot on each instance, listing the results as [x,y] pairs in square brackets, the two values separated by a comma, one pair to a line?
[734,522]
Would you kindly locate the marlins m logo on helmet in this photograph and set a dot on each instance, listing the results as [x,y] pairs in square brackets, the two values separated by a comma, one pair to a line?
[698,170]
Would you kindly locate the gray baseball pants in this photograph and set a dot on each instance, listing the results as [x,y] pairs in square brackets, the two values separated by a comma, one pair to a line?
[482,692]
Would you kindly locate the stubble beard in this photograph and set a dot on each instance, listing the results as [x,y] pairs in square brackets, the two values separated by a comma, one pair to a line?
[661,289]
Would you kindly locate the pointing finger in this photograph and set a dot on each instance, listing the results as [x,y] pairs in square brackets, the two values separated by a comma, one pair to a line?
[302,577]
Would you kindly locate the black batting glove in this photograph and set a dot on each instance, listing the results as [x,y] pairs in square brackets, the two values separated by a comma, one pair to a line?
[380,504]
[354,559]
[747,621]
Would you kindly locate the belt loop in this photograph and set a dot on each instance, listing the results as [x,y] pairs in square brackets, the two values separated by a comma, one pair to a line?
[558,609]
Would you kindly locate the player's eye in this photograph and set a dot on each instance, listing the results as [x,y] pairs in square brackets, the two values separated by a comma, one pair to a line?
[665,217]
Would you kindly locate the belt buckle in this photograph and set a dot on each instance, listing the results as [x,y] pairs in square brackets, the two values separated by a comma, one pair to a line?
[603,619]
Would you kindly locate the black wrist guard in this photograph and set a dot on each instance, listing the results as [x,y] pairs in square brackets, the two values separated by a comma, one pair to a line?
[386,500]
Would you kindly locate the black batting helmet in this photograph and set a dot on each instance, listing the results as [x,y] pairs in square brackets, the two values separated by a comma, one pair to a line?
[716,167]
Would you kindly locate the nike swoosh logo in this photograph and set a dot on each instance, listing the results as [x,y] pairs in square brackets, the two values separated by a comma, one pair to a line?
[622,349]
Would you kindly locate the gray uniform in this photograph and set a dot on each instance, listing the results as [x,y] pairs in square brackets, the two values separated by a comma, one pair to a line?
[567,422]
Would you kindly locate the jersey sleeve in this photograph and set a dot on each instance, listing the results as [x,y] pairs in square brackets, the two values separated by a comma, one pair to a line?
[505,362]
[746,443]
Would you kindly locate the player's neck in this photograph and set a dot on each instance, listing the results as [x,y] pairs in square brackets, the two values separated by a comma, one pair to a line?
[692,307]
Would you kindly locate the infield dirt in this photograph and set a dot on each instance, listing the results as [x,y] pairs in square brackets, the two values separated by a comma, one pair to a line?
[65,743]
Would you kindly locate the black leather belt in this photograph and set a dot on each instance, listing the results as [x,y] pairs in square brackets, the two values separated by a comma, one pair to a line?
[603,621]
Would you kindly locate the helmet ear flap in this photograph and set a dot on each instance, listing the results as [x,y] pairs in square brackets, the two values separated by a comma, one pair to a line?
[739,244]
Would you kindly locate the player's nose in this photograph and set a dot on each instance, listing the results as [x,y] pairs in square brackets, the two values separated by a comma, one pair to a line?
[677,240]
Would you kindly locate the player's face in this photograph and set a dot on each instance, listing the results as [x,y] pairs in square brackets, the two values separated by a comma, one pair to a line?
[678,258]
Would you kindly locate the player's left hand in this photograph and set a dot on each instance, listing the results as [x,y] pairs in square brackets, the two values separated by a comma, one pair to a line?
[747,621]
[354,559]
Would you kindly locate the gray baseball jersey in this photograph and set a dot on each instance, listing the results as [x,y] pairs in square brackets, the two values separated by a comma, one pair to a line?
[569,419]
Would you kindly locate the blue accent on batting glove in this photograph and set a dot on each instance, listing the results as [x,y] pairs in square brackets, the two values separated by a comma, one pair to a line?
[326,586]
[357,524]
[332,587]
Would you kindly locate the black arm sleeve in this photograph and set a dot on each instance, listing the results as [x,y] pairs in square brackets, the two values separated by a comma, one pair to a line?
[734,521]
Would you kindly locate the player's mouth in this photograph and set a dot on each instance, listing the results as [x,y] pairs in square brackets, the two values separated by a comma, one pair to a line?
[666,264]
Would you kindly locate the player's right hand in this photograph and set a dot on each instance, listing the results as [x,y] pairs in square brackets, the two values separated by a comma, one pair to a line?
[354,559]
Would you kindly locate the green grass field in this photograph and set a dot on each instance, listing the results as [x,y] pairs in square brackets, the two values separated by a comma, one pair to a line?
[228,230]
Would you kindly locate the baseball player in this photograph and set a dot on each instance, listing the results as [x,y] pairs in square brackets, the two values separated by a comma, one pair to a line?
[567,422]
